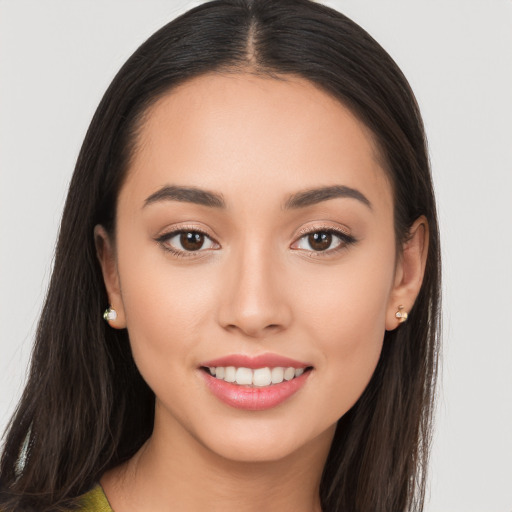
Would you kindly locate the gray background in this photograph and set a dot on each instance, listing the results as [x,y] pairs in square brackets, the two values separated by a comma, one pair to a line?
[57,58]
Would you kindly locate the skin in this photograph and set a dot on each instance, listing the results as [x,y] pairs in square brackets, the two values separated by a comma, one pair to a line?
[257,287]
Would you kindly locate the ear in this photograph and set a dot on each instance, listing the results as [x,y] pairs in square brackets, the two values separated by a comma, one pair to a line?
[107,258]
[409,272]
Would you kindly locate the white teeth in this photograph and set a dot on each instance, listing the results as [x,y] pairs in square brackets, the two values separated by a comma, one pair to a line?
[260,377]
[230,374]
[277,375]
[243,376]
[289,373]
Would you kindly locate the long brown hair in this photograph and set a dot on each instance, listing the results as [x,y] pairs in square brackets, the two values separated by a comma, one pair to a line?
[86,408]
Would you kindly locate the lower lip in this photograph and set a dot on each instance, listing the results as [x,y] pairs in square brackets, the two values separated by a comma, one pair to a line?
[254,398]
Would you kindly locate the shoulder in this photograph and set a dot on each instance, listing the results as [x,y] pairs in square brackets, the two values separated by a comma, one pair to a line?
[94,501]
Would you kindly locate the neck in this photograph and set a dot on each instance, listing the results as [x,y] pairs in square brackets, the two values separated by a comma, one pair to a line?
[174,471]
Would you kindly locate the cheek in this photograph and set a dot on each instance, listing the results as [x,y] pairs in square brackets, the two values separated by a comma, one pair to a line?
[346,318]
[165,309]
[351,298]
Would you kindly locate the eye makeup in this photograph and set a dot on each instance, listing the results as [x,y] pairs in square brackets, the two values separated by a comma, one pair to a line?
[323,241]
[192,241]
[316,241]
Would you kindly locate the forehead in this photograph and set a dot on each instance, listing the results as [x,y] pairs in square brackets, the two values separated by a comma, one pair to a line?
[240,133]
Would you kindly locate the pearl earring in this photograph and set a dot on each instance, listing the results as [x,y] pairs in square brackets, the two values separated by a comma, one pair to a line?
[110,314]
[401,315]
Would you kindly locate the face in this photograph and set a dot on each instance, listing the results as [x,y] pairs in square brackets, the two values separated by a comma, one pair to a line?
[254,241]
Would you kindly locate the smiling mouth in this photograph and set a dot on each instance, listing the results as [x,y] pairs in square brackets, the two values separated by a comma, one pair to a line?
[257,377]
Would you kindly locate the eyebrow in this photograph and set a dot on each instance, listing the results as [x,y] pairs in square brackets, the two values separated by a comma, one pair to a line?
[213,200]
[187,195]
[317,195]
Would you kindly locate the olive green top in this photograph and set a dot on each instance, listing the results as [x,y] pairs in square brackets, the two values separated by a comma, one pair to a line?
[95,501]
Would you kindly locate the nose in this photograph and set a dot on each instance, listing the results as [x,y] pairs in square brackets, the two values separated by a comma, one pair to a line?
[254,300]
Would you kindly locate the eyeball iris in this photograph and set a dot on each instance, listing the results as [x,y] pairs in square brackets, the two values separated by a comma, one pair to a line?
[320,241]
[192,241]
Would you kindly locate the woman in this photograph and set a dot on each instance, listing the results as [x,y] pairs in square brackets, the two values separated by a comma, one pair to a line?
[244,309]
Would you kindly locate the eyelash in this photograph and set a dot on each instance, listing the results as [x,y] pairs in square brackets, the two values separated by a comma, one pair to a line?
[345,241]
[177,252]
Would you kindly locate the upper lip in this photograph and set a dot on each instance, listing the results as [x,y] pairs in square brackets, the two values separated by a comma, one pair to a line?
[254,362]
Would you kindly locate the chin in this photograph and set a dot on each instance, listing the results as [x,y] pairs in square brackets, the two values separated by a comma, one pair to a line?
[266,442]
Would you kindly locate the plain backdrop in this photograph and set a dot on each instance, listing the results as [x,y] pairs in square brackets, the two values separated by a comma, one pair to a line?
[57,58]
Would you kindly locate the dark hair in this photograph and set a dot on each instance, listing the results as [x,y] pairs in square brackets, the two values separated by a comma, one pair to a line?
[86,408]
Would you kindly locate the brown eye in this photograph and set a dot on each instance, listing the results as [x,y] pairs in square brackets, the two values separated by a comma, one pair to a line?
[320,241]
[323,241]
[192,240]
[182,242]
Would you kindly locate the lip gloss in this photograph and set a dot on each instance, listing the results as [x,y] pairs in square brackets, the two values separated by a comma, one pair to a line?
[254,398]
